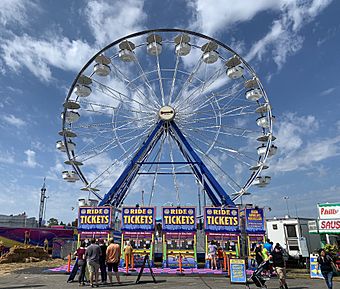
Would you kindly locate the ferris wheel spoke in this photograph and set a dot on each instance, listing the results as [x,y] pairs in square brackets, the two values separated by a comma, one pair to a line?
[160,79]
[129,83]
[199,150]
[124,137]
[156,172]
[124,156]
[174,170]
[197,93]
[147,82]
[217,96]
[174,78]
[115,94]
[222,147]
[189,79]
[222,95]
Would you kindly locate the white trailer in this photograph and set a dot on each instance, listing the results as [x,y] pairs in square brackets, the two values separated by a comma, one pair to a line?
[293,235]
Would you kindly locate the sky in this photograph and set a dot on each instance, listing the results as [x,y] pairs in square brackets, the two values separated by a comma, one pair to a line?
[292,45]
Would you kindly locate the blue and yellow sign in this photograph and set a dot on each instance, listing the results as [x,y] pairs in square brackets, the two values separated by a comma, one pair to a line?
[314,273]
[254,220]
[221,220]
[179,219]
[238,271]
[94,218]
[138,219]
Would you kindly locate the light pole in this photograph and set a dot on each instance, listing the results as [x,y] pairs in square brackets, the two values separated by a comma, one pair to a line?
[287,198]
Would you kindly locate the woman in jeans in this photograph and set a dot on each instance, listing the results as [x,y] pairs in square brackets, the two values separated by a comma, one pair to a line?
[326,265]
[80,253]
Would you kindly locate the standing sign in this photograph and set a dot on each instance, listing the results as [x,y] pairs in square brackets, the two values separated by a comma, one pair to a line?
[94,218]
[238,271]
[138,219]
[221,220]
[179,219]
[254,220]
[313,267]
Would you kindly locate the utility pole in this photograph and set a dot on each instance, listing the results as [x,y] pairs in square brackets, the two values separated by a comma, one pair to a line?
[287,198]
[42,203]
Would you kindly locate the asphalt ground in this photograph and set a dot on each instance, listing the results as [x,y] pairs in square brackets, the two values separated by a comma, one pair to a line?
[33,279]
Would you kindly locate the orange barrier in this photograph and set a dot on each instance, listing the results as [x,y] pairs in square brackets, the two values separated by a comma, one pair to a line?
[180,264]
[69,263]
[224,262]
[132,263]
[127,264]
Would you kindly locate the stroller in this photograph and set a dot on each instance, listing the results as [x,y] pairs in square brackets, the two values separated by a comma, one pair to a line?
[257,278]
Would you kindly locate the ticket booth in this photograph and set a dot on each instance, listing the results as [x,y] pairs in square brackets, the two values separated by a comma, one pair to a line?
[94,222]
[179,237]
[222,228]
[138,229]
[255,231]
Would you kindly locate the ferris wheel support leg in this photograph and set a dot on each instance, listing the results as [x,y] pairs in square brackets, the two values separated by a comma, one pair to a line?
[121,185]
[225,199]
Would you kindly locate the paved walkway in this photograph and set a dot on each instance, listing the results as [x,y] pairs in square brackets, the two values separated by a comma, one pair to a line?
[23,280]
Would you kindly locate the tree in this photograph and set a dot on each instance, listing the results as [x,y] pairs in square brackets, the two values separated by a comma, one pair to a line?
[52,222]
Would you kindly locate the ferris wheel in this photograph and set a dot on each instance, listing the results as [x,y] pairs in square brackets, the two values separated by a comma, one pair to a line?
[167,102]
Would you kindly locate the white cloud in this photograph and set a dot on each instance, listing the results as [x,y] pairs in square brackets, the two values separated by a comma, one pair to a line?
[7,157]
[40,55]
[110,20]
[327,91]
[222,14]
[283,37]
[294,152]
[15,11]
[13,120]
[30,161]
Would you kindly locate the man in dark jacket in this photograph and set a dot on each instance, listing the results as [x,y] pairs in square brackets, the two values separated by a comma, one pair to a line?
[279,264]
[102,261]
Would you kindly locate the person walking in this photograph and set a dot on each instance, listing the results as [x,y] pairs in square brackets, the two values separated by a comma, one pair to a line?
[92,255]
[258,254]
[102,261]
[112,260]
[212,248]
[326,265]
[27,237]
[128,250]
[279,265]
[80,253]
[220,257]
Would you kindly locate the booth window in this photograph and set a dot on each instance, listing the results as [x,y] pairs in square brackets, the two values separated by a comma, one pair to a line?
[291,231]
[274,226]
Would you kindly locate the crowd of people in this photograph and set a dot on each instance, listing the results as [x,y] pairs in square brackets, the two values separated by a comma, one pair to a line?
[271,258]
[97,255]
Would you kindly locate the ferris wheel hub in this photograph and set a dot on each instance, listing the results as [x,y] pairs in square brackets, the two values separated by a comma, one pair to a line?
[166,113]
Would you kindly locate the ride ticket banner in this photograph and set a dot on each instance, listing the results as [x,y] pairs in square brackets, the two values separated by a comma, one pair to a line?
[138,219]
[224,220]
[179,219]
[238,271]
[94,218]
[254,220]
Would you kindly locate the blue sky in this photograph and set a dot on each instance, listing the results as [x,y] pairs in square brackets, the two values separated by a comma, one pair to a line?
[292,45]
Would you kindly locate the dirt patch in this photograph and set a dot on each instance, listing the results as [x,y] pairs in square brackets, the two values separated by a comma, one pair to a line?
[9,268]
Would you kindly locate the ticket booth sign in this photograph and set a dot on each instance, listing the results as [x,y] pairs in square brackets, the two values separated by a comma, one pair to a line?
[138,219]
[238,271]
[179,219]
[254,220]
[94,218]
[221,220]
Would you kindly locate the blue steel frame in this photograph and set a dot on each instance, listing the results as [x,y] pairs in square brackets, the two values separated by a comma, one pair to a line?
[118,192]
